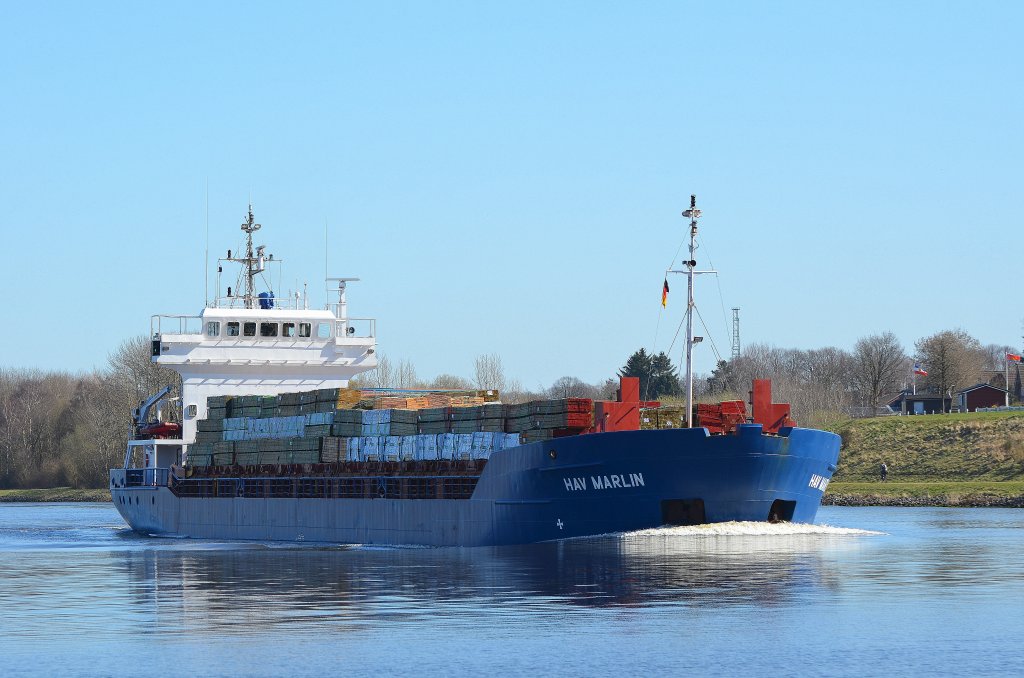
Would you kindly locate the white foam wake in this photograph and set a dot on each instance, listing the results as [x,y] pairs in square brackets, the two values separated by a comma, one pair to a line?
[750,529]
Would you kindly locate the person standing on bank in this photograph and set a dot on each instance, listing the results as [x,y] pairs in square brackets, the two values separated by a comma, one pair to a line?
[884,471]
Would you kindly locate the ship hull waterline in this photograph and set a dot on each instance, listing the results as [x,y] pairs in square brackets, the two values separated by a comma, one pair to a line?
[562,488]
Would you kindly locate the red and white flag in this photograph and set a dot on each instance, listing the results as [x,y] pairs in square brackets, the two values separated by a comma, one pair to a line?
[920,370]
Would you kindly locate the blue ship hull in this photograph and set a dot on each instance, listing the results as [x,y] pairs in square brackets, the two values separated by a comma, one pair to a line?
[567,487]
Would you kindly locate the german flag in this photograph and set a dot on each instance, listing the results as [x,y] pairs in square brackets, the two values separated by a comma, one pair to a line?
[664,293]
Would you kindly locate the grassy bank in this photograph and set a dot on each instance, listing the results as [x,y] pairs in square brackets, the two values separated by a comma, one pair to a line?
[963,447]
[55,494]
[969,459]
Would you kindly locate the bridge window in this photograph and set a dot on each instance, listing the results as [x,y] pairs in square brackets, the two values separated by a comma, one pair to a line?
[249,329]
[323,330]
[288,329]
[213,329]
[304,329]
[232,329]
[268,329]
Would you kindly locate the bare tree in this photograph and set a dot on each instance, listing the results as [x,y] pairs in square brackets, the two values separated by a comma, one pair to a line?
[879,362]
[952,358]
[58,428]
[405,375]
[489,373]
[451,382]
[515,392]
[608,389]
[382,376]
[996,363]
[572,387]
[816,383]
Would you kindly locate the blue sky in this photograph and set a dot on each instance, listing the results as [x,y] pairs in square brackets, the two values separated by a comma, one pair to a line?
[508,177]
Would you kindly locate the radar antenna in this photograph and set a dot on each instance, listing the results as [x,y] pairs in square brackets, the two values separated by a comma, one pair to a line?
[253,262]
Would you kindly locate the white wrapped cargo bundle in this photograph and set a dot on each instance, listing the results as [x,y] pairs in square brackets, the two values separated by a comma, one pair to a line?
[407,448]
[483,444]
[446,445]
[354,451]
[370,447]
[392,447]
[425,446]
[463,445]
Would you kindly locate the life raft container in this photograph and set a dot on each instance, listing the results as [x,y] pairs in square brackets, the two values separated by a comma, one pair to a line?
[163,429]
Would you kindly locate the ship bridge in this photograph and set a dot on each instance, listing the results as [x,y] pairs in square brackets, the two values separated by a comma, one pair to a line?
[253,344]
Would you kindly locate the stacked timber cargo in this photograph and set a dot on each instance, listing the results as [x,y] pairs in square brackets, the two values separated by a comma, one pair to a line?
[419,400]
[717,418]
[322,426]
[721,417]
[546,419]
[665,416]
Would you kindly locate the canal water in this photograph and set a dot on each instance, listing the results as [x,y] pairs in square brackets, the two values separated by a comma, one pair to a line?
[870,591]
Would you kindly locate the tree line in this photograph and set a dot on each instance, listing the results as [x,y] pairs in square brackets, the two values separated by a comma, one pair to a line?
[62,429]
[828,383]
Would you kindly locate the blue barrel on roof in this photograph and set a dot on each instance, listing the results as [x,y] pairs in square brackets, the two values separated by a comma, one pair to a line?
[266,300]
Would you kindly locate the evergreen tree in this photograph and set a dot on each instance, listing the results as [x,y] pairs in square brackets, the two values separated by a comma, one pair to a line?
[657,374]
[664,379]
[638,365]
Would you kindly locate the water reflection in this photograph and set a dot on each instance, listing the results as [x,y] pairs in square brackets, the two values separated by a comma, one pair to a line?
[268,586]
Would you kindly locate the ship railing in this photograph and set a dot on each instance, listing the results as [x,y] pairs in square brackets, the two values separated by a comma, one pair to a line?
[355,328]
[146,477]
[285,303]
[175,324]
[319,487]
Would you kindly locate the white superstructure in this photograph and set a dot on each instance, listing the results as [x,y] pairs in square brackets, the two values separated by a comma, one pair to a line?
[248,344]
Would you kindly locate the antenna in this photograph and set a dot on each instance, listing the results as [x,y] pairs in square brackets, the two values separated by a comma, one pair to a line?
[206,255]
[735,333]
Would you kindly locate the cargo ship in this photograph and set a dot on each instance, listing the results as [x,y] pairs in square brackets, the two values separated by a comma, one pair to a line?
[272,443]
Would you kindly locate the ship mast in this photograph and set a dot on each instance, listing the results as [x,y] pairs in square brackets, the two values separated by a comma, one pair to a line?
[693,214]
[253,261]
